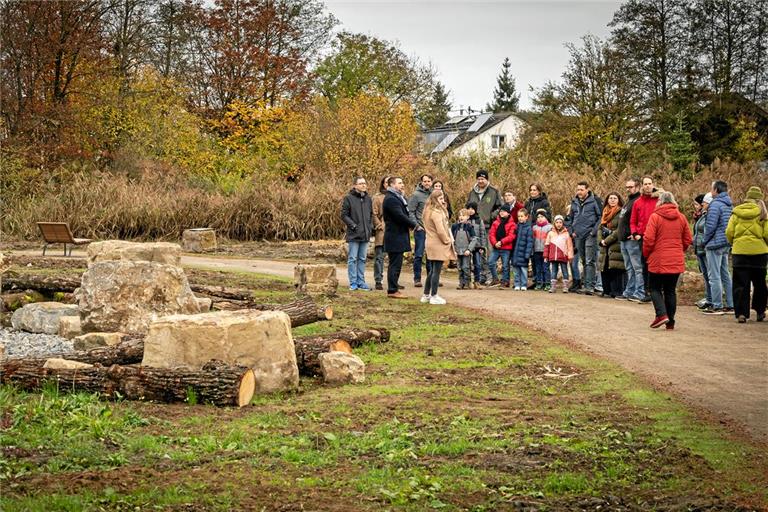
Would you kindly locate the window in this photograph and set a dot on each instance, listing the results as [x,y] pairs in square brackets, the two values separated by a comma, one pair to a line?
[498,141]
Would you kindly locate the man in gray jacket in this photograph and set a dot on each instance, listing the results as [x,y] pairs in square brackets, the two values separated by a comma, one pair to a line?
[488,200]
[584,219]
[416,204]
[357,214]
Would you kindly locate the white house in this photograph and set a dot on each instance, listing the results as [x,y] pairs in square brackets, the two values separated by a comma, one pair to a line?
[463,135]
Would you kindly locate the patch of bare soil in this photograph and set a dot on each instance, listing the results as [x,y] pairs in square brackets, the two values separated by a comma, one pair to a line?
[331,251]
[235,280]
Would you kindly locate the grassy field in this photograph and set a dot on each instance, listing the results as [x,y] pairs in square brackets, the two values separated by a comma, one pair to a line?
[458,412]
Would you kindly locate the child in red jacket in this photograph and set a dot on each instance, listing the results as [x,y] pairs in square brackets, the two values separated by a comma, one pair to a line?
[558,251]
[502,239]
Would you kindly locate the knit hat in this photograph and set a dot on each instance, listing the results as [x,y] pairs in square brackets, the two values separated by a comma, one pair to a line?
[707,198]
[483,173]
[506,208]
[542,211]
[559,217]
[755,193]
[471,204]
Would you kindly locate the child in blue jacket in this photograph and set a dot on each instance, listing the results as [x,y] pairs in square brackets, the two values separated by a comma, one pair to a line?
[523,250]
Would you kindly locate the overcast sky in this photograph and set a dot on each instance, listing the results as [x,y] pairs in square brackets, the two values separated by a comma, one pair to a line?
[467,40]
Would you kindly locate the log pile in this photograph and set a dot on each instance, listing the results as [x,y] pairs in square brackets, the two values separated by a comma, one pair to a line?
[215,383]
[309,348]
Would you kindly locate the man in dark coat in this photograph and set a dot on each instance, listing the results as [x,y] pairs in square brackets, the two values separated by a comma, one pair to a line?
[584,219]
[397,239]
[357,214]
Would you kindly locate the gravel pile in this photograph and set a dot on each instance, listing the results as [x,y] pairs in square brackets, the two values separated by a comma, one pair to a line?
[23,344]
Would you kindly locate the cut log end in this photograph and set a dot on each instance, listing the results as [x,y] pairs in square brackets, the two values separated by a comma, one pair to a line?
[327,312]
[340,346]
[247,389]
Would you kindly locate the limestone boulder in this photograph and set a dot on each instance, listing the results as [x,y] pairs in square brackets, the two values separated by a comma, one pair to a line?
[341,368]
[93,340]
[42,317]
[315,279]
[199,240]
[115,250]
[260,340]
[69,327]
[56,363]
[125,296]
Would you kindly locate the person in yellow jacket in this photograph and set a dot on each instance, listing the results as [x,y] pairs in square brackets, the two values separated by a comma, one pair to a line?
[747,231]
[439,244]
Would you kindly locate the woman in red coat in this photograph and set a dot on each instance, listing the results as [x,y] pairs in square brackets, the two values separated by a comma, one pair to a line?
[667,236]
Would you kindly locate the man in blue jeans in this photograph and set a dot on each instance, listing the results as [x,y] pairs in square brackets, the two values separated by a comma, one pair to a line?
[586,211]
[357,214]
[630,248]
[416,204]
[717,249]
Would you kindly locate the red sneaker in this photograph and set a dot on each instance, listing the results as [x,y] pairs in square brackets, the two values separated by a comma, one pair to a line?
[659,321]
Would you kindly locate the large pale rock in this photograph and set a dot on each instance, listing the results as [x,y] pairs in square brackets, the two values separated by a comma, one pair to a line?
[157,252]
[41,317]
[315,279]
[341,368]
[93,340]
[260,340]
[56,363]
[199,240]
[69,327]
[125,296]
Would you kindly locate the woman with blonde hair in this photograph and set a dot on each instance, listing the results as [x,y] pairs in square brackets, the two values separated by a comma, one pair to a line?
[667,236]
[747,231]
[439,244]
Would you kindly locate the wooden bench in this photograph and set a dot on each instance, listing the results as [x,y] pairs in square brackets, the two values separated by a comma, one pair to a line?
[59,233]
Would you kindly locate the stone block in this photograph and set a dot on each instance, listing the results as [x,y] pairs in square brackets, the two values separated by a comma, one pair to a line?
[41,317]
[342,368]
[93,340]
[69,327]
[56,363]
[199,240]
[260,340]
[204,303]
[157,252]
[315,279]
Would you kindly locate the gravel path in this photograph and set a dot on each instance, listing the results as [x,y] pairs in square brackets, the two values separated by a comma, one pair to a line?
[21,344]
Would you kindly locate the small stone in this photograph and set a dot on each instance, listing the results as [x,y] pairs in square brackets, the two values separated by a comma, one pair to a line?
[69,327]
[2,351]
[93,340]
[199,240]
[56,363]
[204,303]
[342,368]
[42,317]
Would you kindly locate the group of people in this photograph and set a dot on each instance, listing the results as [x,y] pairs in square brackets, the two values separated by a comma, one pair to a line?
[627,248]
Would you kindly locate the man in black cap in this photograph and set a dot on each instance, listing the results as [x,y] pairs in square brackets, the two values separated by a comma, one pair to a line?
[488,202]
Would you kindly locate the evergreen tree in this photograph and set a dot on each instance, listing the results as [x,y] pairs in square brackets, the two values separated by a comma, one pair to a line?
[436,111]
[681,148]
[505,98]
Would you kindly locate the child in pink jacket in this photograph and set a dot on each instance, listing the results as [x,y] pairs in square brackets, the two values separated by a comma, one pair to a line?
[558,251]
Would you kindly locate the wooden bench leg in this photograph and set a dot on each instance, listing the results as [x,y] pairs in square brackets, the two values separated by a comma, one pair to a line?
[45,246]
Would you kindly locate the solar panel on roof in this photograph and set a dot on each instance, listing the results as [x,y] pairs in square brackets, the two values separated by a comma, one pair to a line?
[445,142]
[456,120]
[479,122]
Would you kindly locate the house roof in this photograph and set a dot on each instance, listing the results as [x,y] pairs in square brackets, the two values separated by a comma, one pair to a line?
[461,129]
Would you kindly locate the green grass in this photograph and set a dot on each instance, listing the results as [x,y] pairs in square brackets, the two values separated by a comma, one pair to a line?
[455,414]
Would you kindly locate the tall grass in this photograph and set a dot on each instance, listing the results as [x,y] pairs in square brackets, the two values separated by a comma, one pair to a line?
[161,205]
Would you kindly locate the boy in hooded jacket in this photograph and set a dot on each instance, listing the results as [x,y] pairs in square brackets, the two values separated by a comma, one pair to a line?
[502,237]
[523,250]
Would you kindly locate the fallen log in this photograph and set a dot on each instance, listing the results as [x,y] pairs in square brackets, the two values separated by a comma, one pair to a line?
[223,292]
[216,383]
[40,282]
[309,348]
[304,310]
[128,351]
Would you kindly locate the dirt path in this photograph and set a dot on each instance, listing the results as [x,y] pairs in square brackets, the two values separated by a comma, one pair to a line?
[713,363]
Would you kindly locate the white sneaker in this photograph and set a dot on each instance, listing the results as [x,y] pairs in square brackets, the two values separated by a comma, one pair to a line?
[523,289]
[436,299]
[424,299]
[517,288]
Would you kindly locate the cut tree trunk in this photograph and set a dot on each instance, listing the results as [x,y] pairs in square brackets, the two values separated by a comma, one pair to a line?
[128,351]
[309,348]
[40,282]
[239,294]
[216,383]
[304,310]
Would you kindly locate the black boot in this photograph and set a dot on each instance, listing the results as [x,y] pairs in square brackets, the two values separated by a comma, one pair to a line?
[575,285]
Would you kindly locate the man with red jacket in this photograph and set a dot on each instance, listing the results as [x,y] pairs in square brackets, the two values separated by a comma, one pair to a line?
[638,221]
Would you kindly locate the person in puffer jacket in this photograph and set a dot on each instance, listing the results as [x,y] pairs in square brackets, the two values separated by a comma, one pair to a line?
[667,236]
[748,231]
[464,242]
[540,269]
[717,249]
[701,205]
[558,252]
[502,239]
[523,250]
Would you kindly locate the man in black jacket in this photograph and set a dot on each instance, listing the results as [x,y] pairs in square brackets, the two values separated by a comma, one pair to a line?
[357,214]
[397,238]
[631,249]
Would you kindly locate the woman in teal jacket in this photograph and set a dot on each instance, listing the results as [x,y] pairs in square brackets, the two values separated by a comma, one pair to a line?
[747,231]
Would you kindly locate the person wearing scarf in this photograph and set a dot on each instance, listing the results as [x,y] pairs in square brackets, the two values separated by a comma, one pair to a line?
[610,261]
